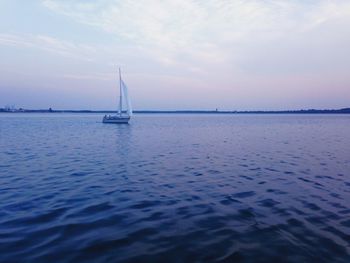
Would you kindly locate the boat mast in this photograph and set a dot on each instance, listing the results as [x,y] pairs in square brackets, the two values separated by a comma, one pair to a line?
[120,94]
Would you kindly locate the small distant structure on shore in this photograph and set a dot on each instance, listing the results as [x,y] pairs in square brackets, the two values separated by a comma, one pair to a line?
[12,108]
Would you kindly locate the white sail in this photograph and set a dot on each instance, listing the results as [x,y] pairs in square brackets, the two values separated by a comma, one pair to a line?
[123,99]
[120,108]
[127,99]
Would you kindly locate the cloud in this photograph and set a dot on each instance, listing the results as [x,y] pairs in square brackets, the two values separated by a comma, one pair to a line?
[187,33]
[92,76]
[49,44]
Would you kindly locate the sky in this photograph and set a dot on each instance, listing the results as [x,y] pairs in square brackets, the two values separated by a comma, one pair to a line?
[175,54]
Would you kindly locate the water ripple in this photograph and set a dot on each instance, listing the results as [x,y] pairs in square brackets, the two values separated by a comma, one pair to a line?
[179,188]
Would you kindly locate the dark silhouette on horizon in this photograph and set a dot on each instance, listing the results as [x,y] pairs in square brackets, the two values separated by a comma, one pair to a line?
[216,111]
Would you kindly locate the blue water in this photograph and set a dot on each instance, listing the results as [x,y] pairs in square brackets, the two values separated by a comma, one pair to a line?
[175,188]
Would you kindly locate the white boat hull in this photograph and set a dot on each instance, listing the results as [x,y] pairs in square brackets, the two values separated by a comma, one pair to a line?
[116,119]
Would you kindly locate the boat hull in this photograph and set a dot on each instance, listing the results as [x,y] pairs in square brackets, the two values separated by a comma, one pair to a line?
[116,119]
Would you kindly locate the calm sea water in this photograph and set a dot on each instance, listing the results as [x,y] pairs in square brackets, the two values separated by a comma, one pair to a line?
[175,188]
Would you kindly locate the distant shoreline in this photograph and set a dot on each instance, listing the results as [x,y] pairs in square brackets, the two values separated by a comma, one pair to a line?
[309,111]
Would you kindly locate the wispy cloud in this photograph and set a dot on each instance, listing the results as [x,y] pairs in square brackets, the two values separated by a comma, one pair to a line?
[192,32]
[49,44]
[92,76]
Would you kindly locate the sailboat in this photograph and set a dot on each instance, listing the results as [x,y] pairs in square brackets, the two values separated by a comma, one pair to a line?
[122,116]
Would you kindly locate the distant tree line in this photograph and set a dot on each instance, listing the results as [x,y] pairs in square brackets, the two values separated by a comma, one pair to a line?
[216,111]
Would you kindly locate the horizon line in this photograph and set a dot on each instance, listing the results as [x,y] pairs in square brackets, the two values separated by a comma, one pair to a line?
[50,110]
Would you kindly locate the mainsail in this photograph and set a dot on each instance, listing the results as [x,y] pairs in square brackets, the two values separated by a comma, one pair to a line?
[126,96]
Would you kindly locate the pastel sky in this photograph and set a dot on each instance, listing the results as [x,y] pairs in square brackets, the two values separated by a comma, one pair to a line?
[175,54]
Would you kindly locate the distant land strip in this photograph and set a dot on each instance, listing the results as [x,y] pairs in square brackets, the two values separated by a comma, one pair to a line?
[309,111]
